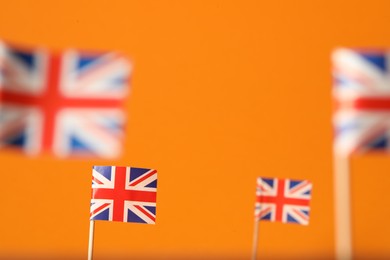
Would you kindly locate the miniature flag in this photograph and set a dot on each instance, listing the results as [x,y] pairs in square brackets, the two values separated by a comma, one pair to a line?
[69,103]
[124,194]
[283,200]
[362,101]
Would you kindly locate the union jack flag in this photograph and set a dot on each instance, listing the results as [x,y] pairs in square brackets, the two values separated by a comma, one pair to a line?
[283,200]
[124,194]
[68,103]
[362,101]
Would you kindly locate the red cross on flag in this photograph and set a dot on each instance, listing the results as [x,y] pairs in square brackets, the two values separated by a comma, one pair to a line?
[68,103]
[283,200]
[124,194]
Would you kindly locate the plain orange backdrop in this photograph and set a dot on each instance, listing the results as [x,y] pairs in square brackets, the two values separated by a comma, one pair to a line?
[222,92]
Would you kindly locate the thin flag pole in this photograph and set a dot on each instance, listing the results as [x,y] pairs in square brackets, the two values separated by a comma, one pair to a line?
[90,244]
[342,208]
[255,239]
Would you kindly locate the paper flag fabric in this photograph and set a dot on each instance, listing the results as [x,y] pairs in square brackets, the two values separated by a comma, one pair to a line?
[124,194]
[361,94]
[283,200]
[67,103]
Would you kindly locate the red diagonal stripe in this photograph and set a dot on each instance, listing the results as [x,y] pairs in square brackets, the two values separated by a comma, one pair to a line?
[96,180]
[99,208]
[145,212]
[303,216]
[299,186]
[143,178]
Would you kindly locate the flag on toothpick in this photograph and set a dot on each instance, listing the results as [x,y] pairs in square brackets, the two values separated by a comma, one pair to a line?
[361,121]
[125,194]
[283,200]
[68,103]
[361,93]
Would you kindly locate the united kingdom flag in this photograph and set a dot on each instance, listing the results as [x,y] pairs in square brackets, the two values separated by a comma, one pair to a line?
[283,200]
[124,194]
[362,101]
[69,103]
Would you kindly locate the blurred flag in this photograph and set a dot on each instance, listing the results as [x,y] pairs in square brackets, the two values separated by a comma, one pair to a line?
[283,200]
[124,194]
[68,103]
[362,101]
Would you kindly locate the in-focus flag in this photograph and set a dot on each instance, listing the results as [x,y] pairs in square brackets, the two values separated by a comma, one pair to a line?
[283,200]
[124,194]
[361,93]
[68,103]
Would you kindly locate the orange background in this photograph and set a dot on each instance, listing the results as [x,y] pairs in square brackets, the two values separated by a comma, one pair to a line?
[222,92]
